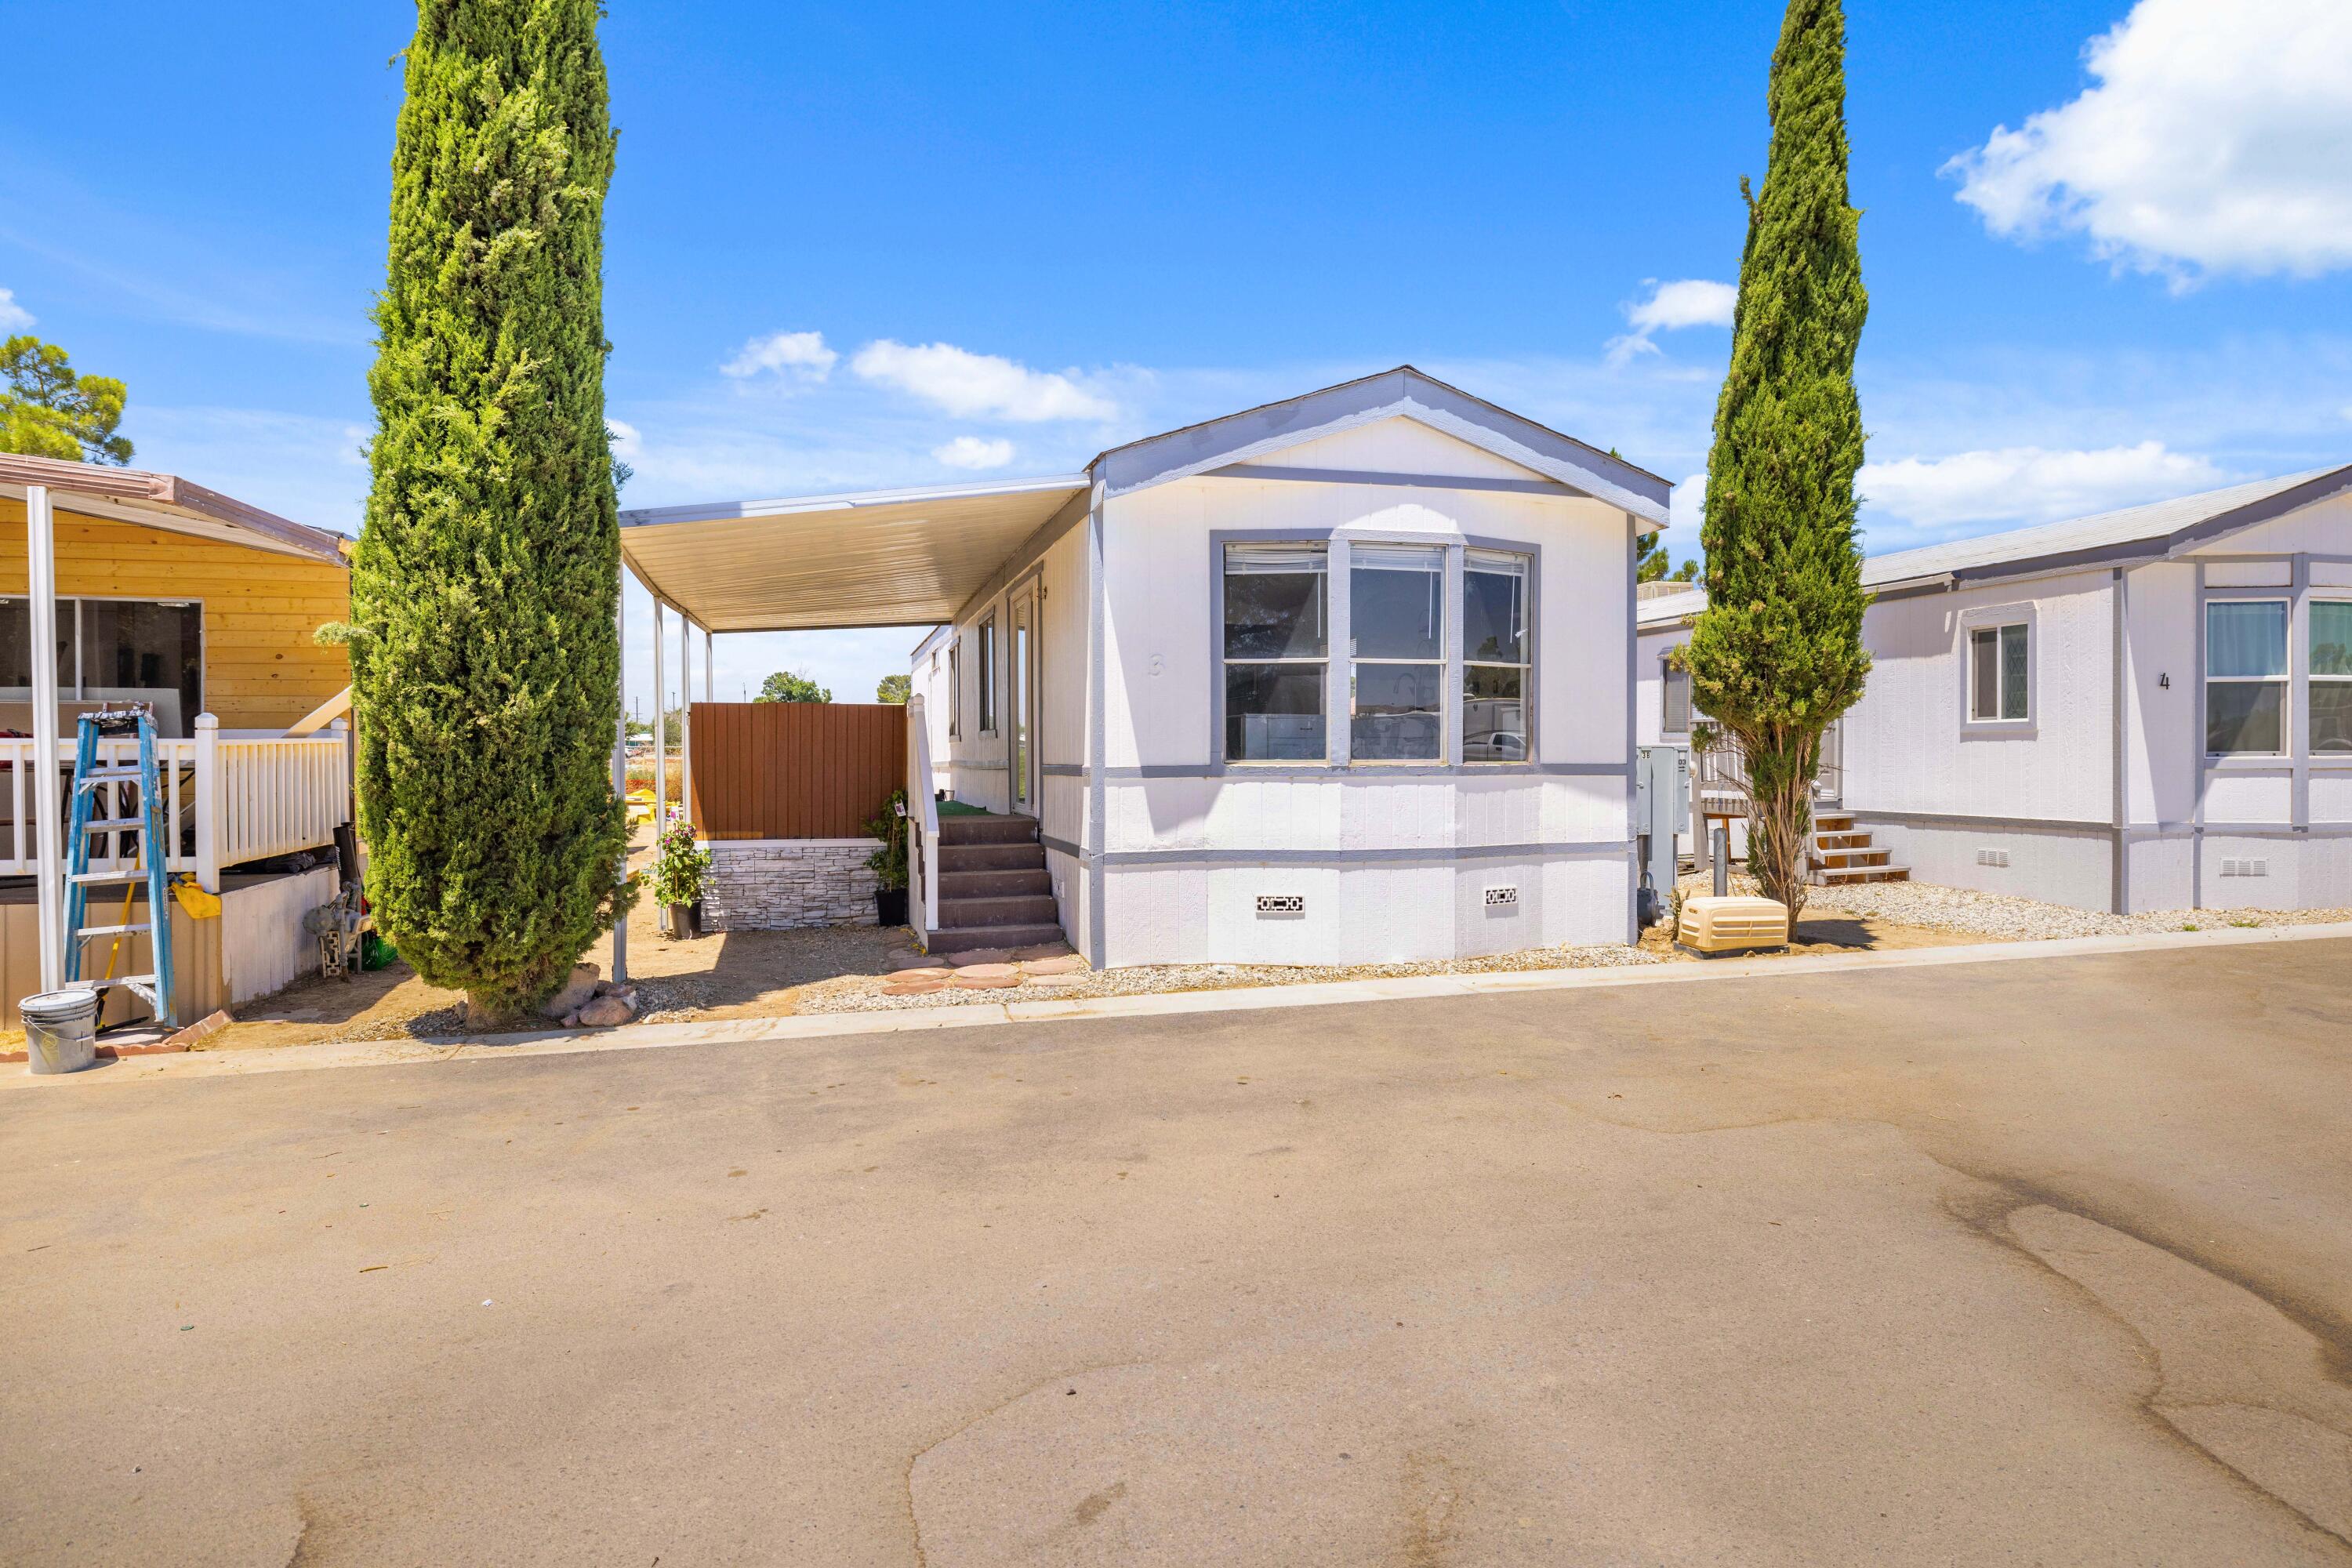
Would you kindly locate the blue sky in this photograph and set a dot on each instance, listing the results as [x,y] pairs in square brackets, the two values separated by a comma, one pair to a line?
[2109,247]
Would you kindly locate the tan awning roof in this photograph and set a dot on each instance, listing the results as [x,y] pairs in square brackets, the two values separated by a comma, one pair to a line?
[166,502]
[883,558]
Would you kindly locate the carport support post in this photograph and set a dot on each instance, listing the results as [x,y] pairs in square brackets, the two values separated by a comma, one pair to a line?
[661,733]
[686,716]
[621,766]
[41,552]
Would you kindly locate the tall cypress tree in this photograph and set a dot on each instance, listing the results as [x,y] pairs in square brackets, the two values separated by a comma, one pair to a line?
[1776,655]
[484,660]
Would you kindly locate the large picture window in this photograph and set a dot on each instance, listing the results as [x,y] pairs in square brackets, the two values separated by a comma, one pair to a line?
[1999,664]
[2330,668]
[1396,612]
[1276,649]
[1495,656]
[113,650]
[2246,677]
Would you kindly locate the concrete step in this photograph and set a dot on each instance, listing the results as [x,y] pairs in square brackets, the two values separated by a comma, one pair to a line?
[1022,909]
[957,859]
[1855,856]
[1832,875]
[989,829]
[995,884]
[964,939]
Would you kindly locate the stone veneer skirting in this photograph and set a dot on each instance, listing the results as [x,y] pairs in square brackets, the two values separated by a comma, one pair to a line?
[778,884]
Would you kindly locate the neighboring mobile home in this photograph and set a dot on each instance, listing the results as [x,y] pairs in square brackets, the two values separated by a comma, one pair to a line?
[2145,709]
[172,594]
[1341,679]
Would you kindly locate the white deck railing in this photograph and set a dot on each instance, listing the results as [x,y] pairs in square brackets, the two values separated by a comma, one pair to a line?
[923,817]
[225,799]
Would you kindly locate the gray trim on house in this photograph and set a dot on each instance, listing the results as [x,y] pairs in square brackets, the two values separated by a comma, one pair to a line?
[1030,551]
[1238,437]
[1097,707]
[1370,771]
[1597,850]
[1384,476]
[1633,730]
[2119,870]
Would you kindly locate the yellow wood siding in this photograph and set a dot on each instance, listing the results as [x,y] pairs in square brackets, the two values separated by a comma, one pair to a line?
[262,671]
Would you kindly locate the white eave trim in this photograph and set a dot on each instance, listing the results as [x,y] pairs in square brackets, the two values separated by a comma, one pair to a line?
[724,511]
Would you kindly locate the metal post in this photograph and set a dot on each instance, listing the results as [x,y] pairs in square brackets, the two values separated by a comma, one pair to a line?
[208,803]
[661,732]
[686,715]
[621,760]
[40,541]
[1722,856]
[707,662]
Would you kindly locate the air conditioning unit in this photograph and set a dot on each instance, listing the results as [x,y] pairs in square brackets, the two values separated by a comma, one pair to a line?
[1503,898]
[1281,904]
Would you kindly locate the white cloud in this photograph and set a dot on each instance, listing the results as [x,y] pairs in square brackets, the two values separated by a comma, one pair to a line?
[2021,485]
[1686,302]
[802,355]
[979,386]
[1685,509]
[2213,141]
[971,452]
[628,443]
[13,317]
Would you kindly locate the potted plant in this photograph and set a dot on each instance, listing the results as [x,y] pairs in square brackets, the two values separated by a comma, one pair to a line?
[677,877]
[888,863]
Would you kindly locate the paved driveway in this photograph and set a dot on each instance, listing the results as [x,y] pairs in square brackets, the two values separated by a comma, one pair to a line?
[2020,1262]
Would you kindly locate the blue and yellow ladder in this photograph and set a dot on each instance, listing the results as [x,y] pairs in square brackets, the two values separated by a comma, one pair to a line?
[99,807]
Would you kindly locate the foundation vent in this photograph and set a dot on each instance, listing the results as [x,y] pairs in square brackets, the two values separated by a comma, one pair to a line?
[1281,904]
[1992,857]
[2245,868]
[1503,898]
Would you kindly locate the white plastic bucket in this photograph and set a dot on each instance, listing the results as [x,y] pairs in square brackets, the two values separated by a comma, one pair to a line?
[61,1030]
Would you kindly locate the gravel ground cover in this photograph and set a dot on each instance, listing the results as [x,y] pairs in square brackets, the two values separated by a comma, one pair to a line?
[860,994]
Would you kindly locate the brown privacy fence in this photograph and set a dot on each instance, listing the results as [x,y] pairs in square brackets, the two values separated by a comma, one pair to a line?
[794,770]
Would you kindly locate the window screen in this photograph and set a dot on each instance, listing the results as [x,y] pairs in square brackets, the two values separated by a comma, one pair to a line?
[1275,651]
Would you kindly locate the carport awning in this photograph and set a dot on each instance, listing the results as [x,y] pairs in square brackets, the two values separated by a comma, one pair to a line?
[885,558]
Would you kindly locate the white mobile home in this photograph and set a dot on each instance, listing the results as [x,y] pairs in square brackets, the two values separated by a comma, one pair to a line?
[1344,679]
[2143,709]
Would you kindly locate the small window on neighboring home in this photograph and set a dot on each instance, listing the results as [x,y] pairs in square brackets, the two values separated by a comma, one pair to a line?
[1497,656]
[2331,678]
[988,676]
[955,691]
[1675,686]
[1275,651]
[1997,673]
[2246,677]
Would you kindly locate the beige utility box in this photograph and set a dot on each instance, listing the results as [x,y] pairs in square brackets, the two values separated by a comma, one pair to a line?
[1731,924]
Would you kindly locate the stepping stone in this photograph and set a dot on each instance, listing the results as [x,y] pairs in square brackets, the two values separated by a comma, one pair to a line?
[1051,982]
[909,959]
[1044,949]
[970,982]
[978,955]
[911,987]
[932,972]
[987,972]
[1068,964]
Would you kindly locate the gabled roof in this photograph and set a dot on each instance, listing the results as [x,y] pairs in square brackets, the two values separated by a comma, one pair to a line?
[1403,392]
[915,557]
[2109,538]
[166,502]
[2105,539]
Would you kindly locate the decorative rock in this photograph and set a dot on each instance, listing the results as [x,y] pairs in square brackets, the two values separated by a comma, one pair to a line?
[968,981]
[987,972]
[571,1019]
[1068,964]
[574,992]
[980,956]
[784,886]
[604,1012]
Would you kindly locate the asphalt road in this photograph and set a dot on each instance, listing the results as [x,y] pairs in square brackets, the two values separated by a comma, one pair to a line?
[2008,1263]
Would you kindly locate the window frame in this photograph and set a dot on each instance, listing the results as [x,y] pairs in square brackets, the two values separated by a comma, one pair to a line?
[77,689]
[985,632]
[1998,630]
[1457,644]
[1221,547]
[2310,675]
[2289,737]
[1666,676]
[955,688]
[1448,661]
